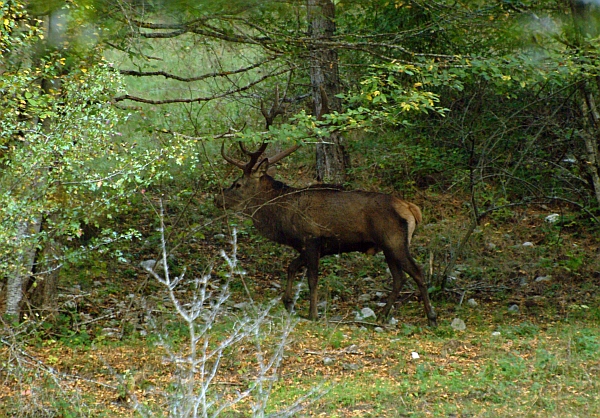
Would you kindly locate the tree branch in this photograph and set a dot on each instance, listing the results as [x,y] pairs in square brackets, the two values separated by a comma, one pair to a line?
[200,77]
[201,99]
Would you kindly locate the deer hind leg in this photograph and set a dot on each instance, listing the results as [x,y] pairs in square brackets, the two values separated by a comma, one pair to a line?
[398,281]
[415,271]
[408,264]
[295,266]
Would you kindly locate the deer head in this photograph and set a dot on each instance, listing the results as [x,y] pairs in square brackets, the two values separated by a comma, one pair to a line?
[248,186]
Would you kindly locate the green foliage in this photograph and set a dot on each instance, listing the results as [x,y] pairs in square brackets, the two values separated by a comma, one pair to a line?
[16,28]
[407,163]
[386,97]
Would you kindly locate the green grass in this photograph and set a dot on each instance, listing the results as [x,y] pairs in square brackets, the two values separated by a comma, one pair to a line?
[546,369]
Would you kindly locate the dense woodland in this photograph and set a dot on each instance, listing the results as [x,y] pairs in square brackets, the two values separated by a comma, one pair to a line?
[113,119]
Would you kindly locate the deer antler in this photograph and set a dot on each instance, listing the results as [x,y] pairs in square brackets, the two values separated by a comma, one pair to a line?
[276,109]
[230,160]
[283,154]
[254,156]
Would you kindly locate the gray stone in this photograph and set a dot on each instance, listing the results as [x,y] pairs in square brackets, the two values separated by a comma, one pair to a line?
[328,361]
[472,303]
[364,297]
[458,324]
[365,313]
[513,308]
[351,366]
[149,265]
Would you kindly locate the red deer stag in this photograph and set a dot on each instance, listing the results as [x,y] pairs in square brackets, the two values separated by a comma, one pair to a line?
[322,220]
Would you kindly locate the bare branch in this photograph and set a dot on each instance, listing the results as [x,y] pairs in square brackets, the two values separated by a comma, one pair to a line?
[205,98]
[200,77]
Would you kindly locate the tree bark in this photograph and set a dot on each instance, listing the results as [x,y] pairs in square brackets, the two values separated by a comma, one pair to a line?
[590,137]
[42,288]
[22,266]
[19,282]
[591,114]
[332,158]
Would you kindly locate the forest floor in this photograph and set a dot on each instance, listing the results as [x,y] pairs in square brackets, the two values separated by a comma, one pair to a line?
[530,344]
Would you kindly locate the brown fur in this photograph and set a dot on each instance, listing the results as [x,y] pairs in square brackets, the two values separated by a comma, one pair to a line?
[323,220]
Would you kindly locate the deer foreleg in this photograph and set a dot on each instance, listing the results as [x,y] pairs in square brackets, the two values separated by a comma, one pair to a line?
[296,264]
[312,272]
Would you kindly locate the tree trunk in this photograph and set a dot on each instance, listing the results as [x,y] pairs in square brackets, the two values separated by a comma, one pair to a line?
[590,137]
[42,289]
[22,266]
[591,114]
[28,229]
[332,159]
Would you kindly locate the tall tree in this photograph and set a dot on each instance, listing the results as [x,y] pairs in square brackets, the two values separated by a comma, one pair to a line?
[57,123]
[332,158]
[586,17]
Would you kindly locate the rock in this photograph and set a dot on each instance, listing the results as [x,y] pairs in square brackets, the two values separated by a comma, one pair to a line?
[552,218]
[351,366]
[110,332]
[365,313]
[496,334]
[543,279]
[378,329]
[219,237]
[527,244]
[393,321]
[458,324]
[472,303]
[513,308]
[364,297]
[71,305]
[149,265]
[490,246]
[353,349]
[523,282]
[328,361]
[414,355]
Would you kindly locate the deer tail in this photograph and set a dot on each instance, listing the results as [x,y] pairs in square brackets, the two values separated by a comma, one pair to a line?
[416,211]
[411,213]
